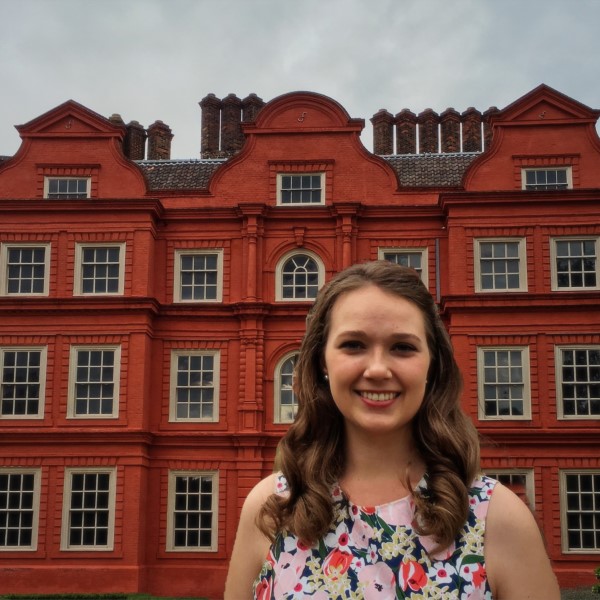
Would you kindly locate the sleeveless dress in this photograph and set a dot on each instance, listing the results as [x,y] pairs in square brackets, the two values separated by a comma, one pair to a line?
[373,553]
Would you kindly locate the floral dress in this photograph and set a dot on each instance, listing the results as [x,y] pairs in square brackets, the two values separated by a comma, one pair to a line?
[374,553]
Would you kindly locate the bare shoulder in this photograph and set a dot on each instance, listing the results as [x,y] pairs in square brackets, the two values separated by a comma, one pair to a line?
[516,560]
[251,545]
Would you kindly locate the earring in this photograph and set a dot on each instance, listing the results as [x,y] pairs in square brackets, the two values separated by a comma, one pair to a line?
[326,377]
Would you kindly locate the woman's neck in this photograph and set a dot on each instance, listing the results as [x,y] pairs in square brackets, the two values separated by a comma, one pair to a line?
[380,469]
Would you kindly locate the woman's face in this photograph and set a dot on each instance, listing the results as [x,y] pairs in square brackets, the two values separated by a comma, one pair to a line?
[377,359]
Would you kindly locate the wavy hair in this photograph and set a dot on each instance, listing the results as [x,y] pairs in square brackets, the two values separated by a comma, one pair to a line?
[311,455]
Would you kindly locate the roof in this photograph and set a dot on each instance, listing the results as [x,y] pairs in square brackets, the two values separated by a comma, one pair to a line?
[443,170]
[413,170]
[188,174]
[431,170]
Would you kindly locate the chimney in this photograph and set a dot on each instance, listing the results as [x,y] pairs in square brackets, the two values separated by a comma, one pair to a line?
[450,130]
[134,144]
[471,128]
[383,132]
[232,138]
[251,106]
[487,127]
[159,141]
[211,126]
[406,132]
[428,130]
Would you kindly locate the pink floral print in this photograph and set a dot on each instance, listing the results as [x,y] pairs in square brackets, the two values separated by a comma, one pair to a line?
[374,553]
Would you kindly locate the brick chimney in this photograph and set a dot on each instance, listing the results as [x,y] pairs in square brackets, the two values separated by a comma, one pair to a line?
[383,132]
[428,130]
[487,128]
[471,129]
[450,130]
[406,132]
[211,126]
[159,141]
[134,144]
[232,138]
[251,106]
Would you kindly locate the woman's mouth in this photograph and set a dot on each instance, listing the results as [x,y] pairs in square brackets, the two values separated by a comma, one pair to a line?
[379,396]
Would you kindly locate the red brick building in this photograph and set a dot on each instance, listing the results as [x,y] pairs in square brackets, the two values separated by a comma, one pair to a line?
[150,310]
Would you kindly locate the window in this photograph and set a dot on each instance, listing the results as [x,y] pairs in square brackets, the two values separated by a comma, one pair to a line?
[286,403]
[88,509]
[301,188]
[546,179]
[578,382]
[99,269]
[194,386]
[503,382]
[299,277]
[500,265]
[94,382]
[580,514]
[66,188]
[192,511]
[25,269]
[22,382]
[19,508]
[575,264]
[410,257]
[198,276]
[520,482]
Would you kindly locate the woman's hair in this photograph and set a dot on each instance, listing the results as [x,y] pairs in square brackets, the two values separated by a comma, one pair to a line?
[311,455]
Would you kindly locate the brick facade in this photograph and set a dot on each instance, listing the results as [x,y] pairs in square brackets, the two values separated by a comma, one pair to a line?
[228,213]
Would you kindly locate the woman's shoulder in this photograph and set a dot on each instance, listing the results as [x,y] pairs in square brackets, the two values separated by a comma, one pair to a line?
[260,492]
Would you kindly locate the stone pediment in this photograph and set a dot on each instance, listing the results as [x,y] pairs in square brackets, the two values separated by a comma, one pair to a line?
[70,119]
[545,104]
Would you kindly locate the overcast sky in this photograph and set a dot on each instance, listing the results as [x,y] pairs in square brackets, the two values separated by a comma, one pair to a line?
[156,59]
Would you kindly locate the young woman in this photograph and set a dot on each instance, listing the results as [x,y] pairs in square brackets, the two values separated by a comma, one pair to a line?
[379,493]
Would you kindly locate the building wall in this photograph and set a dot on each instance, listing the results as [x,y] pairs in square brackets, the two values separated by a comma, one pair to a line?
[365,209]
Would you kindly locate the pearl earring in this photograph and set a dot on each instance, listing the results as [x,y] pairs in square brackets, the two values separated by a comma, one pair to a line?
[326,376]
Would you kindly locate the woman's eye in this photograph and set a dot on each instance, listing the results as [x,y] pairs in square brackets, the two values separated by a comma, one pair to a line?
[404,348]
[351,345]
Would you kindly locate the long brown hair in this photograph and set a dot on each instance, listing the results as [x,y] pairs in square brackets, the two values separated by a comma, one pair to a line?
[311,455]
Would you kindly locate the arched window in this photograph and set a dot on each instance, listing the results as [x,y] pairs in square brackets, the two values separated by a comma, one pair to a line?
[299,277]
[286,403]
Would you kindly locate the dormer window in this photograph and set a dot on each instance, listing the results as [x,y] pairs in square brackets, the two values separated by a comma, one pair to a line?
[300,188]
[66,188]
[547,179]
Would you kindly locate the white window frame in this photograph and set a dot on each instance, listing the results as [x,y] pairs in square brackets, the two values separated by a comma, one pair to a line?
[4,251]
[78,282]
[66,195]
[521,257]
[558,367]
[66,508]
[554,266]
[173,475]
[525,367]
[43,350]
[279,274]
[564,510]
[175,354]
[529,481]
[35,510]
[532,188]
[278,384]
[424,252]
[280,176]
[177,295]
[116,381]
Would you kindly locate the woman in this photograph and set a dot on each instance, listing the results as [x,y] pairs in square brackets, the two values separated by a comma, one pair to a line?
[379,494]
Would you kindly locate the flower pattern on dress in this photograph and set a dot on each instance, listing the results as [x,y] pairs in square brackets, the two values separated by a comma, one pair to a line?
[374,553]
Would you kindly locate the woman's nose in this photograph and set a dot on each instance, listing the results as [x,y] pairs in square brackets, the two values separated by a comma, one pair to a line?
[377,366]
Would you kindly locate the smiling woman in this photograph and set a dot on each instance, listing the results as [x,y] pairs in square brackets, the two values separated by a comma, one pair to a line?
[379,493]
